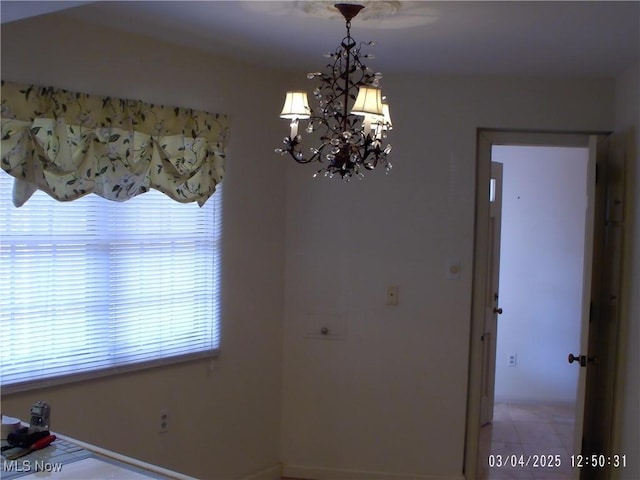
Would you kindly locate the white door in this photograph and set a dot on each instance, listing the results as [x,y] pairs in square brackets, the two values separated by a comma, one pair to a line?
[580,358]
[597,359]
[492,308]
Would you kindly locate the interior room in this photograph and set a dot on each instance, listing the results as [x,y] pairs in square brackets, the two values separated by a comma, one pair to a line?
[347,309]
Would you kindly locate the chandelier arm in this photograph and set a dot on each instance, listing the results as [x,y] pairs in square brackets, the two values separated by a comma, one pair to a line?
[294,150]
[297,155]
[299,159]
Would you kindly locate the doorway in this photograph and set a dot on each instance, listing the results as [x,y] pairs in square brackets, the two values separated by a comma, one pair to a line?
[541,271]
[594,353]
[541,263]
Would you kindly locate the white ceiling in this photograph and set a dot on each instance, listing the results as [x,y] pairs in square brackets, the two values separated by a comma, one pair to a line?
[593,38]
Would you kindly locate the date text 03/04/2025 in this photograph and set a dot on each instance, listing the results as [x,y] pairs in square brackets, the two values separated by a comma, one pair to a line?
[555,461]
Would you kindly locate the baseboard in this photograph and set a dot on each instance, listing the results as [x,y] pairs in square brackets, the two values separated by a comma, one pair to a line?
[271,473]
[319,473]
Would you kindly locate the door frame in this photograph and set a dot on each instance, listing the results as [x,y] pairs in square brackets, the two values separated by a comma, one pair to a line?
[485,139]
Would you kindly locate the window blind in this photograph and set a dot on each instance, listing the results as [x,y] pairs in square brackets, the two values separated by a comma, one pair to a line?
[92,286]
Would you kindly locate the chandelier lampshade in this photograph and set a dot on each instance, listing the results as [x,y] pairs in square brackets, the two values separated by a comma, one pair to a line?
[296,105]
[368,102]
[351,118]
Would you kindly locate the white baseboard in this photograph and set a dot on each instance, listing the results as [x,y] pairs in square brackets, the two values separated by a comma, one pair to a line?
[319,473]
[271,473]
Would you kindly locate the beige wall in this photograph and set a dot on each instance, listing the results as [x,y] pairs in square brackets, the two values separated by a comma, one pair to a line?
[224,415]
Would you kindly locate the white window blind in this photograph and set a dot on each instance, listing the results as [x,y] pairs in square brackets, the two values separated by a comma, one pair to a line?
[92,286]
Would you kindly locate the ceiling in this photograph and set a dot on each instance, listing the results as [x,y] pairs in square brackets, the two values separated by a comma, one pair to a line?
[549,38]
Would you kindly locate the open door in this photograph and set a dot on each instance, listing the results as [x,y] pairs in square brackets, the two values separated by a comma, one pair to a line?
[600,338]
[492,309]
[591,253]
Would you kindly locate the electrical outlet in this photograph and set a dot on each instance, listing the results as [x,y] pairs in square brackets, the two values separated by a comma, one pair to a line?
[512,360]
[163,425]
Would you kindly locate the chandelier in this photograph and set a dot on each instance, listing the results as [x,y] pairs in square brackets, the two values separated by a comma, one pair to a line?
[352,118]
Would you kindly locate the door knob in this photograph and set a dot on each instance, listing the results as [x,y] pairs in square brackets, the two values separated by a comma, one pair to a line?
[498,311]
[582,359]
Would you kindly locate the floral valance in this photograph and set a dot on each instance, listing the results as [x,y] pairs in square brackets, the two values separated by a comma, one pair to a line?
[70,144]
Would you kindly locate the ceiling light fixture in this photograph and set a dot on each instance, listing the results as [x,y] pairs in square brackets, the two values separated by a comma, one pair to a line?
[352,117]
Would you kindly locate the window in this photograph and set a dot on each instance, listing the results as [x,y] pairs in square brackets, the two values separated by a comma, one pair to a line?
[94,286]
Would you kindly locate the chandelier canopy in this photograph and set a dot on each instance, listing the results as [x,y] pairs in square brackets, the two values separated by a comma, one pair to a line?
[352,118]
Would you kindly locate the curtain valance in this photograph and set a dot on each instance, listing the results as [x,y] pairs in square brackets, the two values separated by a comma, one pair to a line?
[69,144]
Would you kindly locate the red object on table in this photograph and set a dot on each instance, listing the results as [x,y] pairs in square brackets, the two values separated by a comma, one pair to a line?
[43,442]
